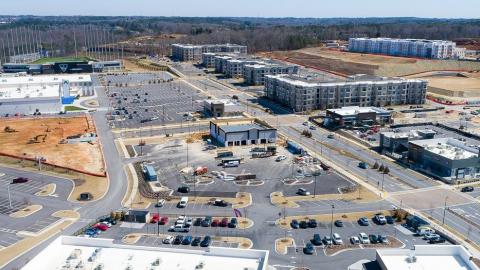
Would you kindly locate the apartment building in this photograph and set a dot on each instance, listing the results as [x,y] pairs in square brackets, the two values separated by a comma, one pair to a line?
[189,52]
[304,93]
[432,49]
[254,74]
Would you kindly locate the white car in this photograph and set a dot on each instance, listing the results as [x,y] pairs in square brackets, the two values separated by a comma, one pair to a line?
[354,240]
[305,123]
[107,223]
[364,238]
[188,221]
[337,240]
[168,240]
[280,158]
[160,203]
[179,228]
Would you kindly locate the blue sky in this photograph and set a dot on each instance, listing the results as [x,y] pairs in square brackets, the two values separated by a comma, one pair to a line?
[250,8]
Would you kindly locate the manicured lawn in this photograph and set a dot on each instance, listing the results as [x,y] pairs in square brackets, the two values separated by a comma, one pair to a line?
[70,108]
[60,59]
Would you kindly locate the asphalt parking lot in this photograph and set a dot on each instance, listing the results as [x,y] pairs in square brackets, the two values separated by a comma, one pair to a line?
[151,99]
[30,187]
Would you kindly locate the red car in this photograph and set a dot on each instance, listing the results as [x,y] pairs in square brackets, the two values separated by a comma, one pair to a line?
[215,223]
[155,218]
[163,221]
[224,222]
[102,227]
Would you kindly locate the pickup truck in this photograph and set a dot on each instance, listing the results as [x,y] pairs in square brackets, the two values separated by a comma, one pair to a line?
[179,228]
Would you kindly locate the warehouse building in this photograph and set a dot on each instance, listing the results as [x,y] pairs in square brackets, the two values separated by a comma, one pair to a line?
[357,116]
[446,158]
[254,74]
[307,93]
[190,52]
[222,108]
[44,94]
[431,49]
[236,132]
[68,252]
[451,257]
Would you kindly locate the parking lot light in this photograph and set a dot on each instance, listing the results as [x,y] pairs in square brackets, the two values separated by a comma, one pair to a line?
[331,223]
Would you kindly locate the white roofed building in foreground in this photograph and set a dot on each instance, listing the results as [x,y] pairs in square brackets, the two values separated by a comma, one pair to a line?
[67,252]
[43,93]
[426,257]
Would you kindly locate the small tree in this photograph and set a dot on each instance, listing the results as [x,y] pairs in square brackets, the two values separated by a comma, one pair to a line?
[386,170]
[375,166]
[381,168]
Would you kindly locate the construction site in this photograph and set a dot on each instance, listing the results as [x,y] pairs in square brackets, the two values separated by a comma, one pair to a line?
[65,142]
[347,63]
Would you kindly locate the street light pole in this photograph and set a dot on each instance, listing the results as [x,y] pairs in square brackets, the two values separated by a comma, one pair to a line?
[383,180]
[331,224]
[9,198]
[444,210]
[315,186]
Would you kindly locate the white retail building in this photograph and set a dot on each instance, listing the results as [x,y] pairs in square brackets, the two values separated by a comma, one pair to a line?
[67,252]
[43,93]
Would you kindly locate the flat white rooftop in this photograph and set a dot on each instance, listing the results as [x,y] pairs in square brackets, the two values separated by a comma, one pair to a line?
[448,147]
[32,91]
[90,252]
[431,257]
[354,110]
[42,79]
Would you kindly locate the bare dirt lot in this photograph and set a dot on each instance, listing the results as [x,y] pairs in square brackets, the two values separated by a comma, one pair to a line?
[40,137]
[454,86]
[357,63]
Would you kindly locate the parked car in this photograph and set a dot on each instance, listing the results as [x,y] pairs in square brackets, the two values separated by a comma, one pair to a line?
[330,136]
[382,239]
[354,240]
[179,228]
[337,240]
[183,189]
[178,240]
[338,223]
[19,180]
[305,123]
[436,240]
[303,192]
[363,238]
[206,241]
[303,224]
[317,240]
[233,223]
[102,227]
[198,221]
[280,158]
[390,219]
[183,202]
[312,127]
[380,219]
[207,221]
[109,225]
[421,231]
[224,222]
[163,221]
[467,189]
[312,223]
[215,223]
[187,240]
[168,240]
[327,240]
[363,165]
[294,224]
[373,238]
[196,241]
[160,203]
[309,249]
[429,236]
[363,221]
[188,222]
[155,218]
[221,203]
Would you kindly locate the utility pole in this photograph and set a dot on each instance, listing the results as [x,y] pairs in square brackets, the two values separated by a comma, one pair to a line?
[75,43]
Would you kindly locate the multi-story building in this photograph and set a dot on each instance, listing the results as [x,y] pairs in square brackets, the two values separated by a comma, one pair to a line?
[221,63]
[254,74]
[304,93]
[446,158]
[433,49]
[189,52]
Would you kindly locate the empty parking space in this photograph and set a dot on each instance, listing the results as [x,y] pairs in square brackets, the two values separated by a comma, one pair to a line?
[41,224]
[8,207]
[432,198]
[8,238]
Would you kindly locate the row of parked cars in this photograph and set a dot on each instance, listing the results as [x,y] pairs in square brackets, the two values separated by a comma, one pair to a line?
[99,227]
[183,223]
[188,240]
[336,239]
[312,223]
